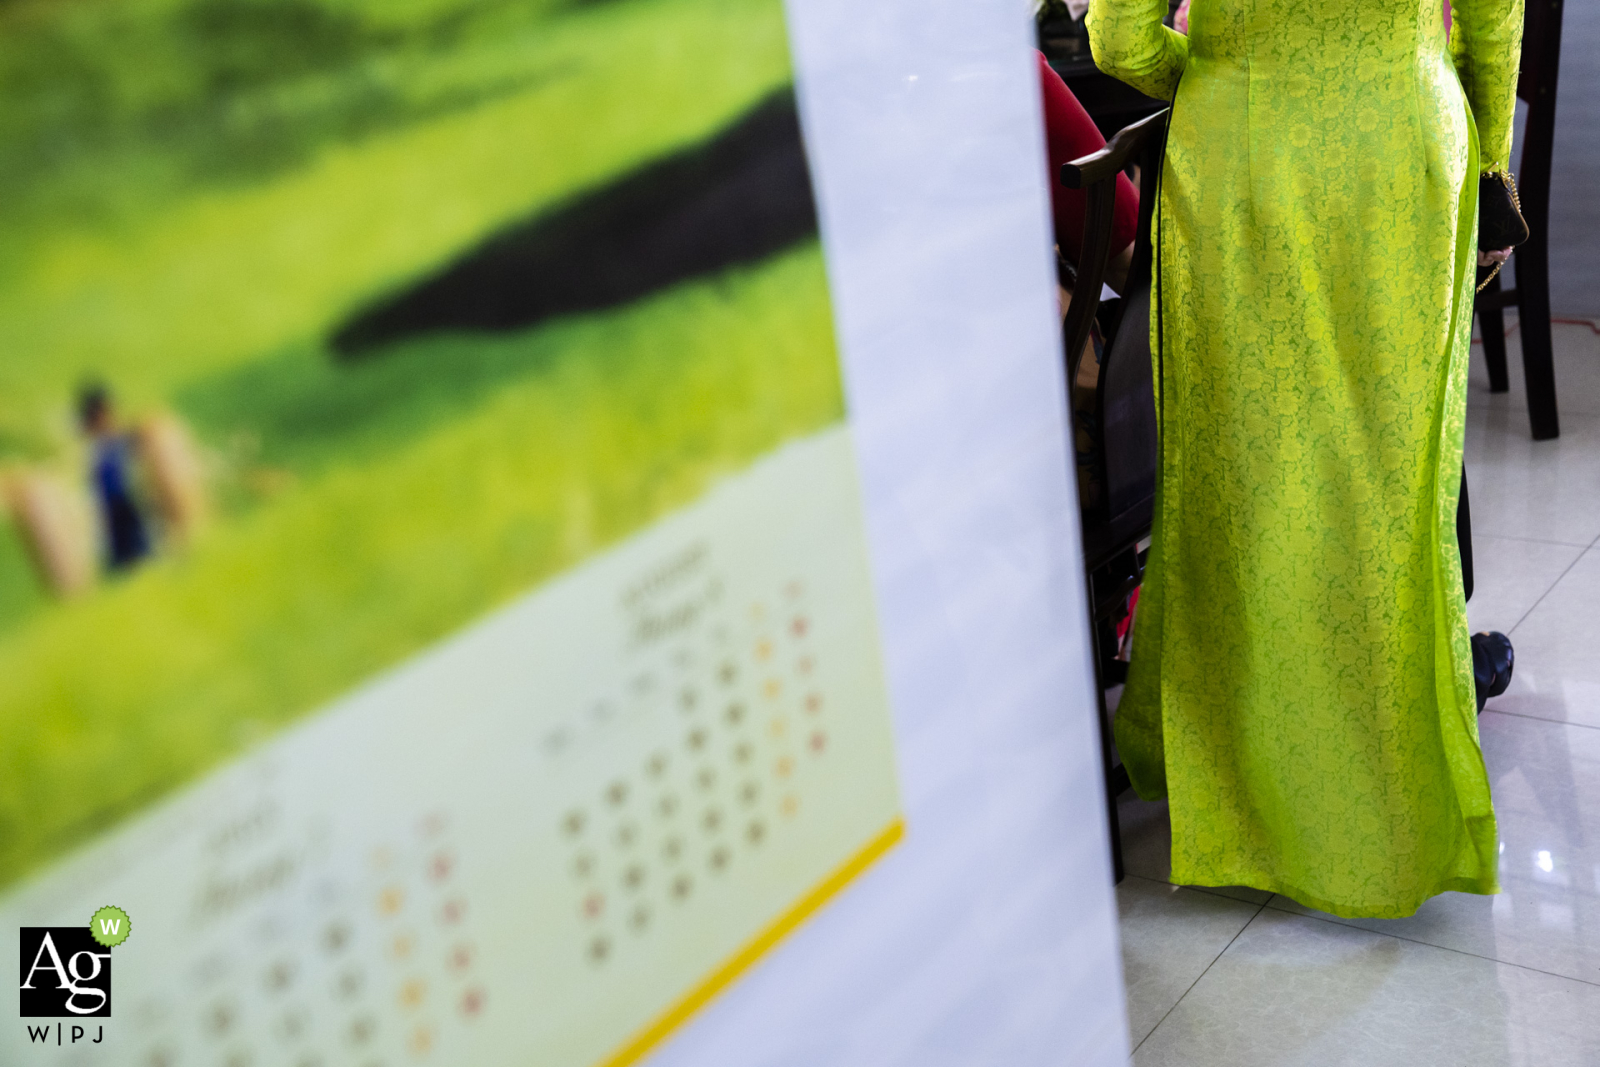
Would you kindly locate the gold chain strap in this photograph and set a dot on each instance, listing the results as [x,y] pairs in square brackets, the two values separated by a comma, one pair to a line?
[1492,275]
[1510,182]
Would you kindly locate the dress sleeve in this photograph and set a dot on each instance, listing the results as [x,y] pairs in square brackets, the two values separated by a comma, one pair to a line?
[1486,44]
[1130,43]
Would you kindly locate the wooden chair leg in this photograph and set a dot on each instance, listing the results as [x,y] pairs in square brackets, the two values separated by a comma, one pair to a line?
[1492,321]
[1113,823]
[1541,69]
[1538,360]
[1464,536]
[1113,820]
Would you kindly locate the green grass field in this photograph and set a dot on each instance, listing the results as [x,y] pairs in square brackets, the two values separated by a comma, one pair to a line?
[368,509]
[131,267]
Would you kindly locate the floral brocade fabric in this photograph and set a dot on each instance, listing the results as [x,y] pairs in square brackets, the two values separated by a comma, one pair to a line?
[1301,685]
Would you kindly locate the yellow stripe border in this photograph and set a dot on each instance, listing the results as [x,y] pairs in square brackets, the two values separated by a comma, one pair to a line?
[724,976]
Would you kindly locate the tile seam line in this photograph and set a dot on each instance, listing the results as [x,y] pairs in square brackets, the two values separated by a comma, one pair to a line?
[1552,588]
[1519,433]
[1540,718]
[1582,546]
[1215,891]
[1519,410]
[1208,890]
[1427,944]
[1167,1014]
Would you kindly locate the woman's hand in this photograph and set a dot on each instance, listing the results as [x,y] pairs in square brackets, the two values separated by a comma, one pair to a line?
[1490,259]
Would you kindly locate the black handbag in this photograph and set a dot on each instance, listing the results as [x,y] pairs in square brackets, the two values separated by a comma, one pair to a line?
[1500,221]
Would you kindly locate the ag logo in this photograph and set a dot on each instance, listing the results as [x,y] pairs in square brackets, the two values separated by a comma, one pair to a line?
[66,973]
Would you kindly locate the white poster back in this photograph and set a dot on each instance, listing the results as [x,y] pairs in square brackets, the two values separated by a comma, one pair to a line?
[988,936]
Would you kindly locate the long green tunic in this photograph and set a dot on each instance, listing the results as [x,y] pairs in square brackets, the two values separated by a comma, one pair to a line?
[1301,685]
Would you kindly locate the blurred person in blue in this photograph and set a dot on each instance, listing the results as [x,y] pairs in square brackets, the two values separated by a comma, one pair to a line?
[126,533]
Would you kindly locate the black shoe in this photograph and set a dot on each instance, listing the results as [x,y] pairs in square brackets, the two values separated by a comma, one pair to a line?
[1492,661]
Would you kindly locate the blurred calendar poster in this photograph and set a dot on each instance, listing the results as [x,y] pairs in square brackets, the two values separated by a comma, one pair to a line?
[433,593]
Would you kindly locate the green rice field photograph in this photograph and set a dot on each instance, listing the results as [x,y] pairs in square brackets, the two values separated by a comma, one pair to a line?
[329,326]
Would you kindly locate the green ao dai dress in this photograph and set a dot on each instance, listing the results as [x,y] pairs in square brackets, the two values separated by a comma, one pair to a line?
[1301,685]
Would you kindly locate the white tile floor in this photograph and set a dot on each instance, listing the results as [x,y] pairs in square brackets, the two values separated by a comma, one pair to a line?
[1242,978]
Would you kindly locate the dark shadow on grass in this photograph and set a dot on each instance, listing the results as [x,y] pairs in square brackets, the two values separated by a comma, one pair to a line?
[301,412]
[449,344]
[736,198]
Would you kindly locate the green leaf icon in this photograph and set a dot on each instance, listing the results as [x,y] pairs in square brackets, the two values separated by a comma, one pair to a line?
[110,926]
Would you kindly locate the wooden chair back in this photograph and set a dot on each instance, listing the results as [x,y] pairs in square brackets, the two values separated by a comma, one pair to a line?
[1125,405]
[1125,408]
[1536,83]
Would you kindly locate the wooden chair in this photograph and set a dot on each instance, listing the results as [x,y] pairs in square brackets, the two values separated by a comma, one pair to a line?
[1127,457]
[1541,55]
